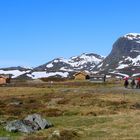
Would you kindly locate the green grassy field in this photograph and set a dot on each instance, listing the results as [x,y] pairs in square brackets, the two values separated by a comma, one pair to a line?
[78,110]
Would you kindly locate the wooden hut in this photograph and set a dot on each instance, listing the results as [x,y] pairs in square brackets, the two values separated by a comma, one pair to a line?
[81,76]
[4,79]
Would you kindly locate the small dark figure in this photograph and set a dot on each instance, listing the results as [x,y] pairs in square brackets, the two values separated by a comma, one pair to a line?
[138,84]
[126,83]
[104,78]
[133,83]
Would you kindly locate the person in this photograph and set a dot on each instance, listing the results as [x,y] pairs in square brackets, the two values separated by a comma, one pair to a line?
[138,83]
[133,83]
[126,83]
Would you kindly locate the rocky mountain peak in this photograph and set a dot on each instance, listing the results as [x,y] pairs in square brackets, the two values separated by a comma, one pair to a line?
[132,36]
[125,54]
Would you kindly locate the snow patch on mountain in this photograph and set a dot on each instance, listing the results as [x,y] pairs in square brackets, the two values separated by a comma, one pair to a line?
[42,74]
[120,74]
[122,66]
[137,51]
[14,73]
[121,62]
[65,69]
[77,61]
[56,61]
[132,36]
[100,65]
[49,65]
[90,58]
[134,61]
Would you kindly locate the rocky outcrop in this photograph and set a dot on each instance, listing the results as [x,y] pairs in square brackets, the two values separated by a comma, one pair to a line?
[30,124]
[124,57]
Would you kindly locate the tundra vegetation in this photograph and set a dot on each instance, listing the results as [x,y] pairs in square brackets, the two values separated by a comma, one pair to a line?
[78,110]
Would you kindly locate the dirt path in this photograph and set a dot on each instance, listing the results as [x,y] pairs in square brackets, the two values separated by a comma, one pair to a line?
[128,90]
[115,90]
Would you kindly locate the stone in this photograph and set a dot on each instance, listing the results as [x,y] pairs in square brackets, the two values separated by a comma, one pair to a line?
[37,120]
[18,126]
[16,103]
[54,135]
[30,124]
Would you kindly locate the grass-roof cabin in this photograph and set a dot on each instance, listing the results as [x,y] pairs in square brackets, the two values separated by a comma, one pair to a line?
[4,79]
[81,76]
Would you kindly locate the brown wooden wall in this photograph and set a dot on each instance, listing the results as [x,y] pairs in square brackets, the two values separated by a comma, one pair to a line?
[2,81]
[80,76]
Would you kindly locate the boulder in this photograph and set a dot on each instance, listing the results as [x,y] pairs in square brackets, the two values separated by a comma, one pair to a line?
[30,124]
[16,103]
[37,120]
[18,126]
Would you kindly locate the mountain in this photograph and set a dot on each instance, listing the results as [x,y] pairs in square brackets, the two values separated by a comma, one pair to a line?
[61,67]
[15,71]
[124,60]
[82,62]
[58,67]
[124,57]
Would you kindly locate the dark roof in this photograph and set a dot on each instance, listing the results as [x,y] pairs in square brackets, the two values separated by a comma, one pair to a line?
[81,72]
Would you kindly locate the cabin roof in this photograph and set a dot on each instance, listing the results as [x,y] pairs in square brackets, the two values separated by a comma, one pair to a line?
[82,72]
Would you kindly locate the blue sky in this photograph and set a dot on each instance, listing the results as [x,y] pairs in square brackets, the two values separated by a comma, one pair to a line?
[32,32]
